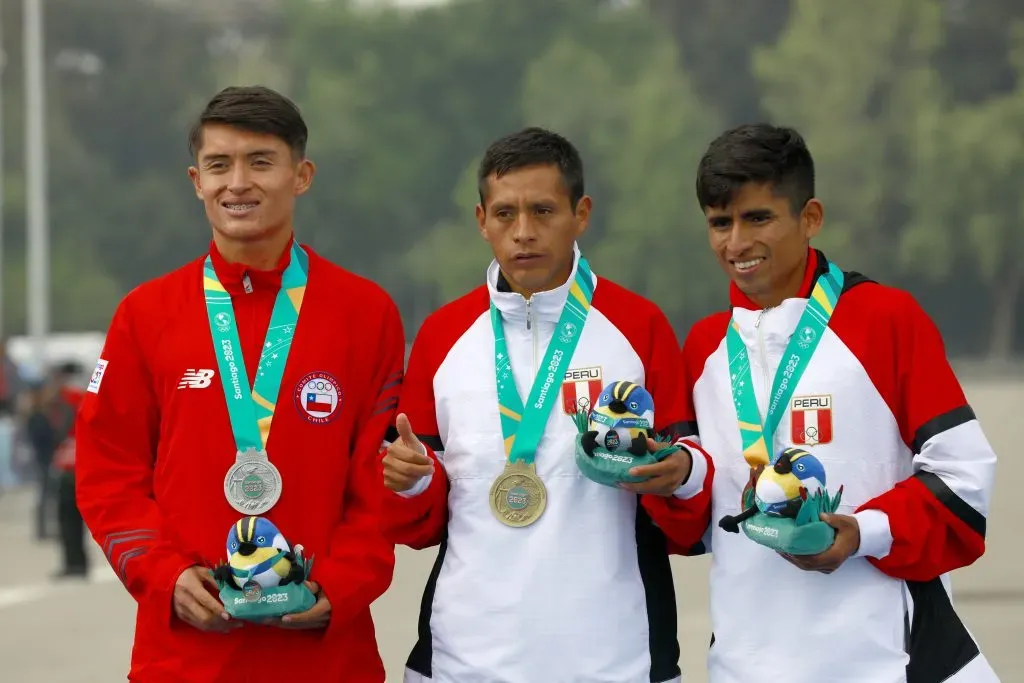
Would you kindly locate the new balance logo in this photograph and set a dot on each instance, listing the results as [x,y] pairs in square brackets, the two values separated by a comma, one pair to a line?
[195,379]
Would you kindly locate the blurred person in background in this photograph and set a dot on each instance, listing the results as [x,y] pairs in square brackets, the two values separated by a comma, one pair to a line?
[75,560]
[11,388]
[866,388]
[171,412]
[49,427]
[48,420]
[580,590]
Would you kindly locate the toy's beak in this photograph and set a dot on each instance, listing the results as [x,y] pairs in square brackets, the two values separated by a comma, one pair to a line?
[246,549]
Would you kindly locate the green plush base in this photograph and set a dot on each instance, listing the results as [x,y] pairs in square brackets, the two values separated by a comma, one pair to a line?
[271,603]
[784,535]
[612,469]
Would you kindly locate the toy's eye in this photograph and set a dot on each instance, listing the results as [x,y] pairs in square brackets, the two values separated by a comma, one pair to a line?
[261,539]
[234,545]
[633,405]
[800,467]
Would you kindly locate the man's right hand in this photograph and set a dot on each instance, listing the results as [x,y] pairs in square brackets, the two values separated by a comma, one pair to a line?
[406,461]
[194,604]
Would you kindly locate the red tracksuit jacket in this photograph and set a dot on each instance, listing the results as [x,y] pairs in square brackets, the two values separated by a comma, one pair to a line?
[154,443]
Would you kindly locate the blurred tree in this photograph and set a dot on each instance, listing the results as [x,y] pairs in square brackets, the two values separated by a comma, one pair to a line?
[969,166]
[975,56]
[715,40]
[450,259]
[398,101]
[854,79]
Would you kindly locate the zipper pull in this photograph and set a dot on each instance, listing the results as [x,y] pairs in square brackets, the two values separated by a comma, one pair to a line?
[528,315]
[247,283]
[760,315]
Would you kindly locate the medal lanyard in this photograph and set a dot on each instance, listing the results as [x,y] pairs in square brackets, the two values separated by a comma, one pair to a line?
[758,438]
[251,412]
[522,428]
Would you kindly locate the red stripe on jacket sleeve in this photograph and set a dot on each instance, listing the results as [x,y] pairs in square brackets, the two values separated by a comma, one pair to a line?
[419,519]
[682,519]
[115,449]
[936,518]
[360,561]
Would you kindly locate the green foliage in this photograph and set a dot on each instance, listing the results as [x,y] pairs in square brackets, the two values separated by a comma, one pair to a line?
[911,109]
[817,503]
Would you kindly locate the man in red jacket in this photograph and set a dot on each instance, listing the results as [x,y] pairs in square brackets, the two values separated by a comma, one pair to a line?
[195,365]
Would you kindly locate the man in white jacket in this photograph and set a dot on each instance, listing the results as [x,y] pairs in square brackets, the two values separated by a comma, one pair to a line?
[556,579]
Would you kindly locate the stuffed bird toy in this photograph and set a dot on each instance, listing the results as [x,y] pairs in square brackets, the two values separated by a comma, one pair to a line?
[257,552]
[621,420]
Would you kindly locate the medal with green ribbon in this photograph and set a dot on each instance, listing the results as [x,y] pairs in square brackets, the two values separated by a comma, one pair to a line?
[518,496]
[253,484]
[758,438]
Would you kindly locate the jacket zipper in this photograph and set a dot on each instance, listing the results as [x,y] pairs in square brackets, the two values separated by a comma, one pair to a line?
[764,359]
[533,334]
[246,282]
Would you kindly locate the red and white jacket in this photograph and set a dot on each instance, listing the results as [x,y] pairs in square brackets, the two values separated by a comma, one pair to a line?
[881,408]
[585,593]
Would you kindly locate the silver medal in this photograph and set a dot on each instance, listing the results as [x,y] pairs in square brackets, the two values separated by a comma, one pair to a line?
[252,485]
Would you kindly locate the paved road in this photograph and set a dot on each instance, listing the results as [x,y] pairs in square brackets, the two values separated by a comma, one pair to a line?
[81,632]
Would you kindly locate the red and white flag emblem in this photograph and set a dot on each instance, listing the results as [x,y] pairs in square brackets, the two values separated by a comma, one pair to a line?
[812,420]
[581,383]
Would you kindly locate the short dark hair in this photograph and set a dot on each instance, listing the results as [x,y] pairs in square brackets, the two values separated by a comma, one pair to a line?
[532,147]
[256,109]
[756,153]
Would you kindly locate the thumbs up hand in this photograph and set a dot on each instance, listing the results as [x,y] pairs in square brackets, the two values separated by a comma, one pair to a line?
[406,461]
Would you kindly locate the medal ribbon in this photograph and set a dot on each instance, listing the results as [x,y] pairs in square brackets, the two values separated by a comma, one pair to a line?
[258,569]
[757,437]
[522,428]
[251,412]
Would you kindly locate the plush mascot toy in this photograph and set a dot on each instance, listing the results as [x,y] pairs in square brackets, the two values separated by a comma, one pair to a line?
[263,577]
[613,434]
[783,503]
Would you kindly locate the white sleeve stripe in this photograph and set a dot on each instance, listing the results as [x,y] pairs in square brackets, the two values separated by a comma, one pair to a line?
[958,467]
[694,484]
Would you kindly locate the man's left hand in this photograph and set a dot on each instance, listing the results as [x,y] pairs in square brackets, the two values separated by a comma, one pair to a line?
[317,616]
[845,544]
[665,476]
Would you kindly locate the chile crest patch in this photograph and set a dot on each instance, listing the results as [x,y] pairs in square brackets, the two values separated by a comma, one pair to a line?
[318,397]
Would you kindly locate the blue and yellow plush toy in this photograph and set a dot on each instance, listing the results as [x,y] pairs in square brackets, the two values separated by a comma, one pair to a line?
[783,503]
[263,577]
[613,434]
[621,421]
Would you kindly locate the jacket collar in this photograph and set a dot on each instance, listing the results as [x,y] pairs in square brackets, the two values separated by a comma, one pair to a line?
[232,275]
[546,306]
[817,265]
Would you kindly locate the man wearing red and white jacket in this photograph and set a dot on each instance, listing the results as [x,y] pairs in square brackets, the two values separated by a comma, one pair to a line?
[164,421]
[874,399]
[580,591]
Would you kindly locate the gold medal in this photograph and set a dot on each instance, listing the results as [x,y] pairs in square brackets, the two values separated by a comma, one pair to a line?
[518,496]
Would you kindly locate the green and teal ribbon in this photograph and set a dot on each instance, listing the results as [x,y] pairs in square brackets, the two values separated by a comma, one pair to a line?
[758,437]
[251,412]
[523,427]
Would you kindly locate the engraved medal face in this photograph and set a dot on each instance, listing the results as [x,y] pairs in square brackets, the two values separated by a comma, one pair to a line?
[253,485]
[252,591]
[518,496]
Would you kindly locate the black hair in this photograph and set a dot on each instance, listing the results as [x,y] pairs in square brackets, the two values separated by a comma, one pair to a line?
[532,147]
[756,153]
[256,109]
